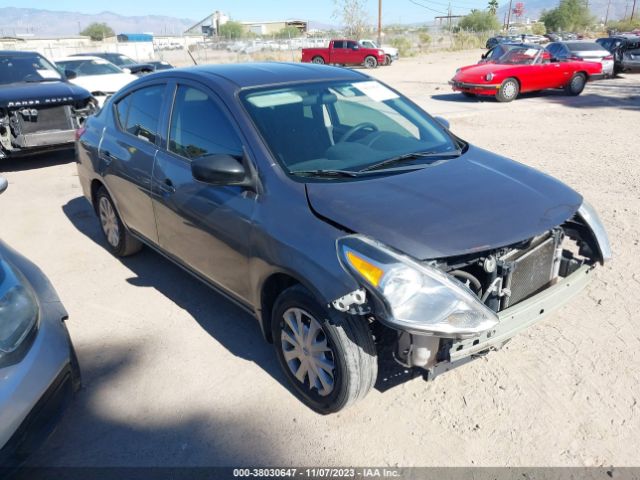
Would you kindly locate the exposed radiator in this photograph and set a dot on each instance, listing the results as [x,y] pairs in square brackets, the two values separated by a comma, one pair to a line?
[530,271]
[44,119]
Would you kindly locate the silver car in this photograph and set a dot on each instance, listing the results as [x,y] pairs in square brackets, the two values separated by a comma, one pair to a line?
[38,367]
[583,50]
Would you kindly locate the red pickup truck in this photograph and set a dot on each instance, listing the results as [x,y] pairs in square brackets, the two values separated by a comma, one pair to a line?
[344,52]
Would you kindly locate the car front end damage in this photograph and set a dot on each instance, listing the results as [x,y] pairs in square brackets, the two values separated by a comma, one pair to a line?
[33,126]
[446,312]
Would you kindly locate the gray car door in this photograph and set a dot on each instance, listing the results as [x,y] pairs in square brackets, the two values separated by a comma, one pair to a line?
[205,227]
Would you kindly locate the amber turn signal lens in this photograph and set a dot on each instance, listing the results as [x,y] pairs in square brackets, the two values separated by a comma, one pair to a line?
[369,272]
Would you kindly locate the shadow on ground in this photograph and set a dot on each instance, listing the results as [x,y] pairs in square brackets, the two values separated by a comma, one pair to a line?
[33,162]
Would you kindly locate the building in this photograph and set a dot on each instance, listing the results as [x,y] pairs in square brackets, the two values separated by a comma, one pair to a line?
[209,25]
[271,28]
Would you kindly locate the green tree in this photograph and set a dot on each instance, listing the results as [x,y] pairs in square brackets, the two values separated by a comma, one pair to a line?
[231,30]
[538,28]
[479,21]
[493,6]
[98,31]
[570,15]
[354,16]
[624,25]
[288,32]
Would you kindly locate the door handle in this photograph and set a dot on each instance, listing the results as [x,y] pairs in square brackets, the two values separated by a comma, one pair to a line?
[167,186]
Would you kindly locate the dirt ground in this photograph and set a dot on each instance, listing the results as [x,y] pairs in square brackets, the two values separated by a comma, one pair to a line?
[175,375]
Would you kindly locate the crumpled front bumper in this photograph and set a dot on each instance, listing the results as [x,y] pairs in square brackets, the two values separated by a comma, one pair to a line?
[477,88]
[514,320]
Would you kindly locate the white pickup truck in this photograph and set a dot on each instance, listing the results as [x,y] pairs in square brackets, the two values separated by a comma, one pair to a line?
[390,53]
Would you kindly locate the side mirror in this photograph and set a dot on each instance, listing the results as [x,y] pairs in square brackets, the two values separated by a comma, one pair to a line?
[3,184]
[219,169]
[70,74]
[483,56]
[126,70]
[442,121]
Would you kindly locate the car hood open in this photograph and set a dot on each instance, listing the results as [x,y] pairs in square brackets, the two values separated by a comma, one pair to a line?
[477,202]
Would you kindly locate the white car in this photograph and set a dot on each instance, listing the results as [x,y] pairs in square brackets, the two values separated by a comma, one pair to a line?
[101,77]
[390,53]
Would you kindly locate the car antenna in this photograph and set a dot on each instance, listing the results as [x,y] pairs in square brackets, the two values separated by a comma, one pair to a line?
[194,60]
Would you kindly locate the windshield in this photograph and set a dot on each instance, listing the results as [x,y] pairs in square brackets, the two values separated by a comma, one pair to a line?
[26,68]
[525,55]
[343,126]
[89,67]
[121,60]
[584,46]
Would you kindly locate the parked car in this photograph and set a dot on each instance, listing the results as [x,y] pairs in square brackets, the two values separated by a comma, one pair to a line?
[39,109]
[526,68]
[390,53]
[339,214]
[344,52]
[583,50]
[97,75]
[38,367]
[498,39]
[161,65]
[495,53]
[625,51]
[122,61]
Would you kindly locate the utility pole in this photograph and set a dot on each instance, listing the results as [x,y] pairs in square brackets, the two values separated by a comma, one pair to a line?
[606,18]
[626,9]
[379,23]
[449,15]
[633,9]
[509,16]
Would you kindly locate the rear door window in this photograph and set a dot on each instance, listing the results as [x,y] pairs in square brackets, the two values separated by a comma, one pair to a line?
[338,44]
[142,109]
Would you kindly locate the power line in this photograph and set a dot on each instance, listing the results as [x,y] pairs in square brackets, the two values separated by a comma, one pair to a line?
[428,8]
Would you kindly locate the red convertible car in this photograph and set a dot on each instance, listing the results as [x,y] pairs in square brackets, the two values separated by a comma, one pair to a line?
[525,68]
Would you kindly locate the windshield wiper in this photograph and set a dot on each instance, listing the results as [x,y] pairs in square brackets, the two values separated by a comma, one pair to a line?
[325,173]
[40,80]
[411,156]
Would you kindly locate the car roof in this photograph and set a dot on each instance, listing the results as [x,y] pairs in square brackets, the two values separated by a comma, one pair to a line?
[246,75]
[18,53]
[76,59]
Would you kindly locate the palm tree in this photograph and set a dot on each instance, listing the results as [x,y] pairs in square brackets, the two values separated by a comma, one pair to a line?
[493,6]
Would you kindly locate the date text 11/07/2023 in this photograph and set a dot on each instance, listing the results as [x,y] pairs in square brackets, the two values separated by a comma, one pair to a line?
[314,473]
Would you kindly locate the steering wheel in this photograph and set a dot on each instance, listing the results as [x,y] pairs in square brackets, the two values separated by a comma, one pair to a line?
[356,128]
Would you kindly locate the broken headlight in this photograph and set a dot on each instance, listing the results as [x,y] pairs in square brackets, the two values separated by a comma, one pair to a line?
[420,299]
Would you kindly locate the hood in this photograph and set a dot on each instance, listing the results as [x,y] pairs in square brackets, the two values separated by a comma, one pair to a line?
[476,73]
[104,83]
[40,94]
[477,202]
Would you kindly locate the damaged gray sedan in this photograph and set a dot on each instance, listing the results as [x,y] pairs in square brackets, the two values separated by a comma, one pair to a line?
[342,216]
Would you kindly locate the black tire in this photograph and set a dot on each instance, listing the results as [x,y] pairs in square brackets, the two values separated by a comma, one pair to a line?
[119,242]
[469,94]
[387,60]
[318,60]
[370,62]
[508,91]
[576,84]
[350,349]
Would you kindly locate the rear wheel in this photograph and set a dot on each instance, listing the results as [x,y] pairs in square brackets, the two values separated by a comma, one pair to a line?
[119,241]
[508,90]
[370,62]
[318,60]
[576,84]
[329,359]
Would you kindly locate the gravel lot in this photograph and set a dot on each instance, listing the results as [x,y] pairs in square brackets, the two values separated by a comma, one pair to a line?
[175,375]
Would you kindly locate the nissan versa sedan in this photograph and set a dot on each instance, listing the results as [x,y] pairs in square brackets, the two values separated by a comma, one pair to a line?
[38,366]
[347,220]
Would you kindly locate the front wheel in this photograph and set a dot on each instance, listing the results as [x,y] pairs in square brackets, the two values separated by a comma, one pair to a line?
[387,60]
[508,90]
[318,60]
[576,84]
[329,359]
[370,62]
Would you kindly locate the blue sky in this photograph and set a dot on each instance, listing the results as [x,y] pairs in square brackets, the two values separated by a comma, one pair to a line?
[404,11]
